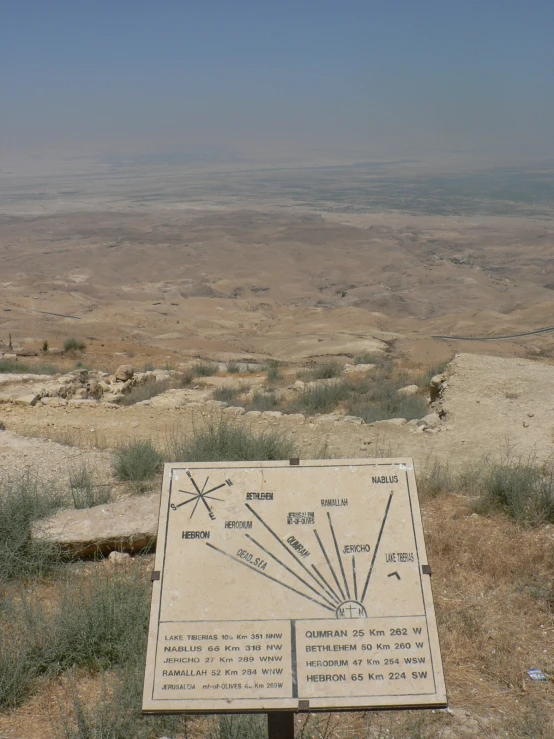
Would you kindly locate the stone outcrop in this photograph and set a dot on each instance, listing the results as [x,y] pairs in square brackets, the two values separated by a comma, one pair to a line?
[124,373]
[128,525]
[408,390]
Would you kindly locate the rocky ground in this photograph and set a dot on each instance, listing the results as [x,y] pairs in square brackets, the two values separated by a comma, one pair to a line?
[483,567]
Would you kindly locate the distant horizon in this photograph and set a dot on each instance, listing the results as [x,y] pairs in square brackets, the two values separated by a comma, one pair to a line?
[305,81]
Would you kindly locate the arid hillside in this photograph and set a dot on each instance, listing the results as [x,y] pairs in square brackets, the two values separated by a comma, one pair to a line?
[281,282]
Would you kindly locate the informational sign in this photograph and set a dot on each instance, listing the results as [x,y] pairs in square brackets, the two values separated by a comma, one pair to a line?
[300,585]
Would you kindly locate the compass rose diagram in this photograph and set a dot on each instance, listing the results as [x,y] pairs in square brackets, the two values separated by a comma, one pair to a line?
[201,495]
[338,583]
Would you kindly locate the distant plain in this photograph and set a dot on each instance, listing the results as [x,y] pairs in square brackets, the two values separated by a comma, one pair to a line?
[293,263]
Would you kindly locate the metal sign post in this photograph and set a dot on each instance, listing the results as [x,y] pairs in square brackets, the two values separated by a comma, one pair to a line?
[280,725]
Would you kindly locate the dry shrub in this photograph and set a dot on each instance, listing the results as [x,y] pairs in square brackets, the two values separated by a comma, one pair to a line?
[491,627]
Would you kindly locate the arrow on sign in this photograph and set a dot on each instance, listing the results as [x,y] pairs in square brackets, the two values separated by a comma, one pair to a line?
[394,573]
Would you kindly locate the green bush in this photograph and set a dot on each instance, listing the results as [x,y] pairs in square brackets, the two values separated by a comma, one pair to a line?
[435,479]
[12,366]
[430,372]
[273,373]
[46,369]
[238,727]
[263,402]
[204,369]
[521,488]
[98,622]
[367,358]
[324,371]
[381,406]
[185,378]
[83,490]
[17,669]
[22,502]
[73,345]
[229,394]
[320,398]
[226,440]
[136,461]
[144,392]
[117,713]
[233,368]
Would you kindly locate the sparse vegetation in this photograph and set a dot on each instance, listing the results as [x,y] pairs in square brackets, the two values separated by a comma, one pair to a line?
[117,712]
[325,371]
[431,371]
[221,439]
[368,358]
[204,369]
[146,391]
[184,379]
[233,368]
[73,346]
[435,478]
[238,727]
[273,372]
[23,501]
[375,398]
[97,623]
[13,367]
[136,461]
[228,394]
[521,488]
[320,398]
[264,402]
[45,346]
[85,493]
[2,426]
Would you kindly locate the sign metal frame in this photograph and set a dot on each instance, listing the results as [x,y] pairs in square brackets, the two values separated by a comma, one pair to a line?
[337,582]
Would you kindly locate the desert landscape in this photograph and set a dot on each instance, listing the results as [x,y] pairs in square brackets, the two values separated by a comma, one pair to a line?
[152,313]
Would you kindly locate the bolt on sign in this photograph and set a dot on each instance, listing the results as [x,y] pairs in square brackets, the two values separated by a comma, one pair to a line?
[291,586]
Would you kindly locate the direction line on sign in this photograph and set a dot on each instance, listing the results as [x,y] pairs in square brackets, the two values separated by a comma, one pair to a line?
[338,555]
[354,577]
[376,548]
[329,588]
[288,569]
[329,565]
[269,577]
[282,543]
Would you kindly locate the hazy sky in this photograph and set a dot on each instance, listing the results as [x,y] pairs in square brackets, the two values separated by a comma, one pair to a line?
[393,78]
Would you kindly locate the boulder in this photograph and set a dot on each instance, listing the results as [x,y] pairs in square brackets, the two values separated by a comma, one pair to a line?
[408,390]
[118,558]
[436,386]
[94,390]
[431,421]
[124,373]
[349,368]
[352,419]
[112,397]
[54,402]
[128,525]
[30,399]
